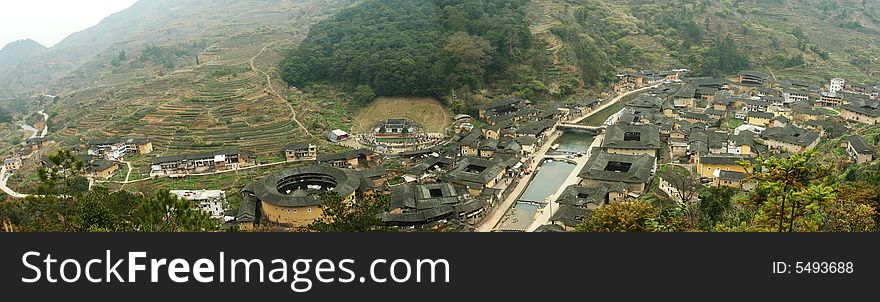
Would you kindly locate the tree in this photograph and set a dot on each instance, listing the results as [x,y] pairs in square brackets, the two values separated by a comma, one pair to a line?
[626,216]
[363,95]
[63,203]
[359,216]
[468,56]
[687,184]
[853,211]
[714,201]
[5,116]
[724,58]
[795,189]
[62,175]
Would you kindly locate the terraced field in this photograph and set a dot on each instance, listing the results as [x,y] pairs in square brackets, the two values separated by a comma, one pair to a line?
[224,107]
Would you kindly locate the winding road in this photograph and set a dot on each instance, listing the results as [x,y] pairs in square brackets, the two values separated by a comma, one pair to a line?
[5,177]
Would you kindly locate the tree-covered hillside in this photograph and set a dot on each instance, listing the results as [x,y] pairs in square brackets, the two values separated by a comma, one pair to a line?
[423,47]
[805,39]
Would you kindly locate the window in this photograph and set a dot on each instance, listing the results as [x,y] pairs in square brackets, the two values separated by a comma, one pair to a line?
[309,210]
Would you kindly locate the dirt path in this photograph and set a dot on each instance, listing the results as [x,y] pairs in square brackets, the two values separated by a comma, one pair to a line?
[275,93]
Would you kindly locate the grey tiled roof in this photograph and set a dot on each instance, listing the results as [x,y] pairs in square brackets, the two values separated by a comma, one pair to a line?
[649,137]
[639,170]
[791,135]
[266,189]
[860,145]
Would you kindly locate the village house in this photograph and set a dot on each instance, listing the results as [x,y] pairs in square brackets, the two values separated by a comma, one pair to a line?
[538,130]
[752,78]
[212,202]
[790,139]
[705,93]
[859,150]
[118,148]
[354,159]
[576,203]
[862,111]
[796,95]
[477,174]
[755,105]
[491,132]
[632,140]
[678,147]
[806,113]
[684,98]
[103,169]
[829,99]
[775,101]
[12,164]
[304,151]
[36,143]
[568,217]
[862,89]
[722,104]
[693,117]
[634,172]
[767,91]
[761,119]
[469,145]
[741,144]
[500,107]
[292,197]
[629,81]
[181,165]
[418,204]
[733,179]
[836,85]
[337,135]
[710,166]
[488,147]
[779,121]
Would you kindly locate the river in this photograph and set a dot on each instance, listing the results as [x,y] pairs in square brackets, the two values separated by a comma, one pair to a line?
[548,180]
[30,129]
[574,141]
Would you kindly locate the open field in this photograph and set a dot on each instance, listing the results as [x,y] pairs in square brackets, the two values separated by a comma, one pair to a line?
[428,112]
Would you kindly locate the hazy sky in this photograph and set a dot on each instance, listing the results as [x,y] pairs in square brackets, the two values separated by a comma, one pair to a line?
[50,21]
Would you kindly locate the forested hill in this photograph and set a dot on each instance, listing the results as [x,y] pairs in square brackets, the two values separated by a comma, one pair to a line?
[423,47]
[557,49]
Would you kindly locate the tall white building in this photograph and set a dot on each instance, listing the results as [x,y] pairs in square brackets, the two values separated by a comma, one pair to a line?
[212,202]
[836,85]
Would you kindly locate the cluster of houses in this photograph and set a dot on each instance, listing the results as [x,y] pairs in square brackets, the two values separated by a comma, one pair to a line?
[196,163]
[716,128]
[31,145]
[720,126]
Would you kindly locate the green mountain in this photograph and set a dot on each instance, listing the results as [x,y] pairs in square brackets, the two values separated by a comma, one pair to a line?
[804,39]
[14,53]
[411,47]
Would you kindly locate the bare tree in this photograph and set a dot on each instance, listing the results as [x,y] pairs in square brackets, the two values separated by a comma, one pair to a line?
[686,184]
